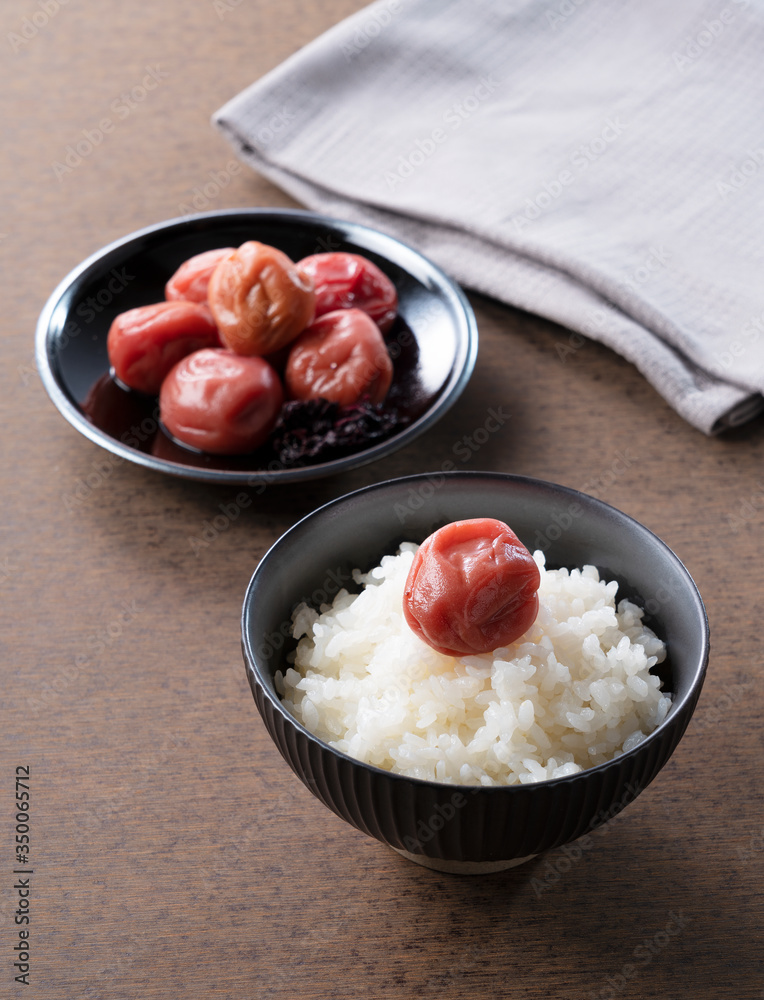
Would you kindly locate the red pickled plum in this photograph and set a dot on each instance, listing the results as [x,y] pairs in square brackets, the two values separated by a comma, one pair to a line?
[347,281]
[220,402]
[143,344]
[190,282]
[472,588]
[340,357]
[260,299]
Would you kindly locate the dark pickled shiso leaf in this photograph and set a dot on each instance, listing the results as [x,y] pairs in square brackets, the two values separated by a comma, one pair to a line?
[318,430]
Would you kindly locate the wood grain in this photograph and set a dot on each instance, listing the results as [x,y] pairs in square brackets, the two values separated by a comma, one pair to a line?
[174,855]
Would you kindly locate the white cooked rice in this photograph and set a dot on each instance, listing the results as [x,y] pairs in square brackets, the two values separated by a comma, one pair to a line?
[576,690]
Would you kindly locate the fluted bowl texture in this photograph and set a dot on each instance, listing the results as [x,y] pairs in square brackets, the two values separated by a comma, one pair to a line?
[445,823]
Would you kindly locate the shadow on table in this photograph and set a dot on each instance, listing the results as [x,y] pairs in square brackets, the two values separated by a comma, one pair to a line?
[619,919]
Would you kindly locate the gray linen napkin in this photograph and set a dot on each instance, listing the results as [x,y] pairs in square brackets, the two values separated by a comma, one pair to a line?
[596,162]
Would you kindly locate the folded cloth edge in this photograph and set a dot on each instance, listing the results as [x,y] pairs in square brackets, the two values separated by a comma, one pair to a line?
[708,404]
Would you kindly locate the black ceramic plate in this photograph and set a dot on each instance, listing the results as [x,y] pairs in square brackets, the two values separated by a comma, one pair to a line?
[433,342]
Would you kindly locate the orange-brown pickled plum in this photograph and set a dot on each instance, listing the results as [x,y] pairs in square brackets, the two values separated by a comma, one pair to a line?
[341,357]
[221,402]
[190,282]
[260,299]
[472,588]
[349,281]
[143,344]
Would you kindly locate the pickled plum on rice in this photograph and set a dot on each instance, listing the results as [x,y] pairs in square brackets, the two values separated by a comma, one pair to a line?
[472,588]
[575,690]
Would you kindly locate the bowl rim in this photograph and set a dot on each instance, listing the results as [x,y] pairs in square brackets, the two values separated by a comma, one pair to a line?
[677,708]
[376,241]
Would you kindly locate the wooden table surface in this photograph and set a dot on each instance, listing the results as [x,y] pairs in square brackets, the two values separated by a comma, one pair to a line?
[173,854]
